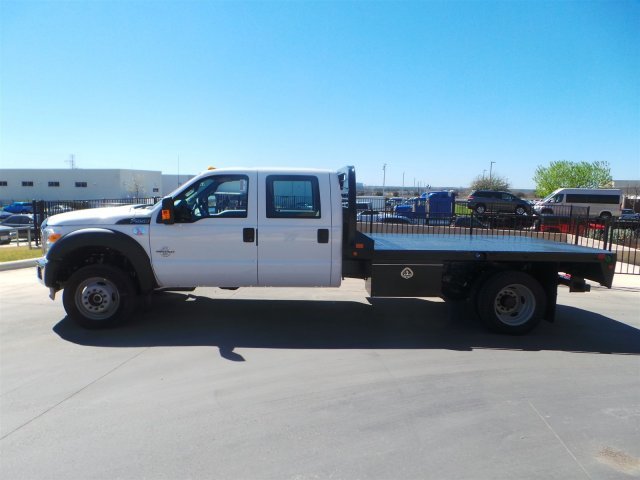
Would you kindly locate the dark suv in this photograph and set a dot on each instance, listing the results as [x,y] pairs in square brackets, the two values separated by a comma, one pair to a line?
[483,201]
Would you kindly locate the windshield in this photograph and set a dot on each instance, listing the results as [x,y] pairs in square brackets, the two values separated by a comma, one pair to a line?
[552,198]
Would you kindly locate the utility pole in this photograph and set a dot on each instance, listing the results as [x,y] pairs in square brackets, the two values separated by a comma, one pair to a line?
[403,184]
[72,161]
[384,177]
[491,171]
[483,172]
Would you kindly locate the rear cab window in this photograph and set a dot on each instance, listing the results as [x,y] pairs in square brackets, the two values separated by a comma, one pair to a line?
[293,196]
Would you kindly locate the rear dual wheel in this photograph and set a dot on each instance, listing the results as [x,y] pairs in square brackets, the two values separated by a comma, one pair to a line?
[511,302]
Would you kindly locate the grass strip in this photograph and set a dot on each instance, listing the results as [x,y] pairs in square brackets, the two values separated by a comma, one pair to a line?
[9,254]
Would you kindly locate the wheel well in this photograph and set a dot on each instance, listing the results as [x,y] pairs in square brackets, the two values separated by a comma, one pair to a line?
[462,280]
[95,255]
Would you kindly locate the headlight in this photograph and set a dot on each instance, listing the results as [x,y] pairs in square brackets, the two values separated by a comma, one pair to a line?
[49,236]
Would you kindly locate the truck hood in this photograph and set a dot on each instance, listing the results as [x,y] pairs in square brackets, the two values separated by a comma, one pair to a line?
[102,216]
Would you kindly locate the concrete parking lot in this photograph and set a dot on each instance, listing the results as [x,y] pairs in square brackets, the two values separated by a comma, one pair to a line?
[314,384]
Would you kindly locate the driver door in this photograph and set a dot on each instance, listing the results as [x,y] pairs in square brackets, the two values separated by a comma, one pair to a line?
[213,242]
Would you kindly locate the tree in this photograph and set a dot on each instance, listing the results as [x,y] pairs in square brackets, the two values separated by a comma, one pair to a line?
[496,182]
[565,174]
[136,186]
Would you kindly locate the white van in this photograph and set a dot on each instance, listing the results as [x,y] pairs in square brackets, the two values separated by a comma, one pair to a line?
[596,202]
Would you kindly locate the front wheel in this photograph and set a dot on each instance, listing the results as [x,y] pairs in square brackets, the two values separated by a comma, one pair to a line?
[480,209]
[511,302]
[520,210]
[99,296]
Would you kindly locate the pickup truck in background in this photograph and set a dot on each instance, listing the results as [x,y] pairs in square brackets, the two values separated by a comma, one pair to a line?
[233,228]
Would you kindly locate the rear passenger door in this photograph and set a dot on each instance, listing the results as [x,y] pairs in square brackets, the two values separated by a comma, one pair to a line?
[508,202]
[294,225]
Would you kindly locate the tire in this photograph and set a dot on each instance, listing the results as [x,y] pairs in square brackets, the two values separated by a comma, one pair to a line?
[605,215]
[99,296]
[511,302]
[520,210]
[480,209]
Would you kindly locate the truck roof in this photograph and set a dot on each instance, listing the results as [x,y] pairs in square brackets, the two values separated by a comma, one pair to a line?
[269,170]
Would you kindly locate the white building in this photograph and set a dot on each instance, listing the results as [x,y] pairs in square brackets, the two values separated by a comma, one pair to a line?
[83,184]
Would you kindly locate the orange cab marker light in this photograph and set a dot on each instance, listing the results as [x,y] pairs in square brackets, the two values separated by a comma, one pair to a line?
[359,245]
[166,214]
[53,237]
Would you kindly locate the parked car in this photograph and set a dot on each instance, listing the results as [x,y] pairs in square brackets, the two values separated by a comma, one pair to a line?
[564,224]
[22,221]
[58,208]
[464,221]
[483,201]
[629,214]
[5,235]
[384,218]
[19,207]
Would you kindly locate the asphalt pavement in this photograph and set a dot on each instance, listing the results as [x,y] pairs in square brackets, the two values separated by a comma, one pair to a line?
[264,383]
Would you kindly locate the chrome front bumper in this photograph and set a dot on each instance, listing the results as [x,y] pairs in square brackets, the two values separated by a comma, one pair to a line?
[41,265]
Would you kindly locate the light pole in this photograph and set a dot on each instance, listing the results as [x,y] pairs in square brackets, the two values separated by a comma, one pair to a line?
[483,172]
[491,171]
[384,177]
[403,184]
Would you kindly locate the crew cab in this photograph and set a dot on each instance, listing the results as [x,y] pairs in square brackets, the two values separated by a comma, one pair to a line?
[233,228]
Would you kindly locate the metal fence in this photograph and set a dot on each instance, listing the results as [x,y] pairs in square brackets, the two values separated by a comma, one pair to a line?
[43,208]
[615,235]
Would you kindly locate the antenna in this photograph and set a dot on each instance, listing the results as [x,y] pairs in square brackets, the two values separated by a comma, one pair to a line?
[71,161]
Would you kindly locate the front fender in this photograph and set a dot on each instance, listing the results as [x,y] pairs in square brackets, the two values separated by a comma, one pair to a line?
[67,250]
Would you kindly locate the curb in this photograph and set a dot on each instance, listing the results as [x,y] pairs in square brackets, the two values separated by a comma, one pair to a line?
[30,262]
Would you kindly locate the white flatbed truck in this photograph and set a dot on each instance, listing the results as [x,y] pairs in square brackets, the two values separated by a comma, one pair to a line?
[232,228]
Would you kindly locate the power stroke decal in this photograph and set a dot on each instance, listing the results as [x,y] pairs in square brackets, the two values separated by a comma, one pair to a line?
[165,251]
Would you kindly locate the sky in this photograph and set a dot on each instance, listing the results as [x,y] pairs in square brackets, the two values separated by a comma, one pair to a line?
[436,90]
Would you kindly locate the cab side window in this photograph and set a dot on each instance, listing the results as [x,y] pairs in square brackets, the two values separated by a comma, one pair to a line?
[218,196]
[293,196]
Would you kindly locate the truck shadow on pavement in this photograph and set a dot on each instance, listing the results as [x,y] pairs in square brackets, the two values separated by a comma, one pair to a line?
[188,320]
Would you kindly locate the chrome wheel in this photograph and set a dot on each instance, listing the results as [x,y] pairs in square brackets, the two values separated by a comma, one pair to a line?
[97,298]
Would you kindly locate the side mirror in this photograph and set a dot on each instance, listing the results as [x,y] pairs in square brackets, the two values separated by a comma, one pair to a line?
[167,214]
